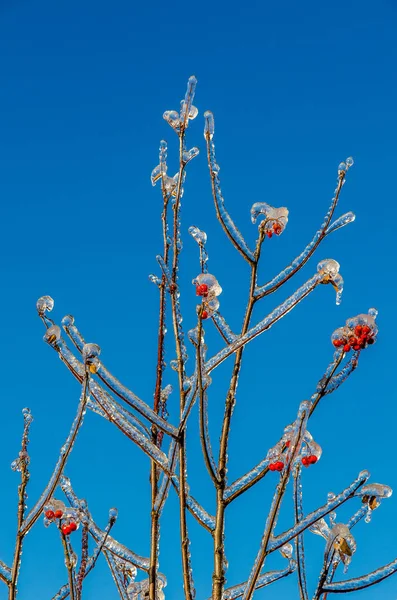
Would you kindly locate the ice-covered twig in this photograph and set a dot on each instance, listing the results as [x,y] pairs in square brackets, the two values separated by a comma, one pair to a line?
[203,407]
[299,429]
[326,228]
[68,551]
[237,591]
[299,543]
[101,536]
[225,219]
[223,327]
[202,516]
[359,583]
[5,573]
[117,576]
[243,483]
[314,516]
[267,322]
[66,449]
[124,393]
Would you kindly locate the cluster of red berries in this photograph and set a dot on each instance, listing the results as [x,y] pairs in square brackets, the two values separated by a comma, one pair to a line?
[309,460]
[57,514]
[277,229]
[358,341]
[276,466]
[202,290]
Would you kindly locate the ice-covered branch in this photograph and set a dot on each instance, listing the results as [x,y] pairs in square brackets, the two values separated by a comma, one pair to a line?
[314,516]
[223,327]
[359,583]
[322,276]
[5,573]
[225,219]
[300,549]
[100,536]
[266,579]
[326,228]
[66,449]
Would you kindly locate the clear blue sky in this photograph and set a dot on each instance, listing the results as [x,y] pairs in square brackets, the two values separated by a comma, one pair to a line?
[295,88]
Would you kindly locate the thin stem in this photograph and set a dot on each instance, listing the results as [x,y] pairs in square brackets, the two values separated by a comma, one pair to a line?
[218,577]
[69,567]
[207,452]
[300,550]
[154,471]
[83,562]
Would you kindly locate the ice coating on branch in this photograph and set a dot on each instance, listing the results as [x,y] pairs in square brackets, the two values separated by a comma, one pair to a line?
[44,304]
[199,236]
[52,335]
[342,541]
[358,333]
[140,590]
[188,155]
[180,121]
[379,490]
[329,269]
[263,580]
[161,169]
[273,220]
[209,125]
[5,571]
[345,219]
[226,221]
[359,583]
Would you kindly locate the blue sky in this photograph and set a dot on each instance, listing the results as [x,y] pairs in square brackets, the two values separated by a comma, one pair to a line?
[295,88]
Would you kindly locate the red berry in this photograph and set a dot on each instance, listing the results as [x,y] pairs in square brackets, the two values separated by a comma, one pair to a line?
[202,289]
[58,514]
[358,330]
[352,341]
[204,314]
[269,234]
[366,329]
[272,466]
[305,461]
[357,347]
[288,443]
[346,348]
[66,529]
[370,341]
[73,526]
[279,465]
[49,515]
[277,228]
[338,343]
[312,459]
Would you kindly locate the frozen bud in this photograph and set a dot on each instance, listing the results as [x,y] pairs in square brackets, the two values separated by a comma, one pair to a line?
[68,321]
[208,283]
[113,512]
[90,356]
[342,169]
[329,269]
[52,335]
[199,236]
[172,118]
[209,127]
[44,304]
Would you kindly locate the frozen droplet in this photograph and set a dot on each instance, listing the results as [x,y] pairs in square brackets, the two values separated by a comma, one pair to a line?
[188,155]
[199,236]
[91,353]
[154,279]
[174,364]
[67,320]
[172,118]
[331,496]
[349,162]
[342,168]
[113,512]
[44,304]
[52,334]
[209,126]
[286,550]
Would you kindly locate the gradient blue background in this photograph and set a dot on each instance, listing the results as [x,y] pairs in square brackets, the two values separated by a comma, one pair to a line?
[295,88]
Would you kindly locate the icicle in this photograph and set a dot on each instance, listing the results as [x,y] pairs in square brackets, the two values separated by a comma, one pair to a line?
[314,516]
[188,111]
[266,323]
[329,268]
[201,238]
[227,223]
